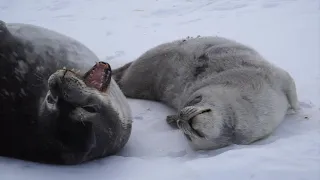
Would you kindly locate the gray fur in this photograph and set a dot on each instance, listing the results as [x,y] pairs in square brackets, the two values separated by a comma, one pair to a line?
[70,124]
[224,92]
[109,114]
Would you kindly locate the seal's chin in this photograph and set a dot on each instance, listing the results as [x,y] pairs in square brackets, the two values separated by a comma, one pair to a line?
[189,123]
[184,120]
[98,77]
[201,117]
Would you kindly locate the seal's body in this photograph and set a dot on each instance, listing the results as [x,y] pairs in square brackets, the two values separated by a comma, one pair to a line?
[224,92]
[39,122]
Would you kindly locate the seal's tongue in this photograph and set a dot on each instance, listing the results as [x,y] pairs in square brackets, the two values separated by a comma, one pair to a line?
[99,76]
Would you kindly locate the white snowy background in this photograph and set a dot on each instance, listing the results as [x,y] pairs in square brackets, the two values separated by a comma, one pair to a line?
[286,32]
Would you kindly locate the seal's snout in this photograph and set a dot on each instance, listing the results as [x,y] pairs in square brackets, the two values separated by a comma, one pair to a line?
[197,123]
[62,80]
[189,117]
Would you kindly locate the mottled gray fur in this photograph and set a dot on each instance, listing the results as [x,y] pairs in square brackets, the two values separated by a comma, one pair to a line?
[224,92]
[107,114]
[84,124]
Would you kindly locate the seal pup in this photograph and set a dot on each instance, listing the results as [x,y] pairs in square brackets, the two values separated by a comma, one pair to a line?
[51,113]
[224,92]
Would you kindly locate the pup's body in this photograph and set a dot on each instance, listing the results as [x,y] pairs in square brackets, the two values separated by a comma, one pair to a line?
[224,92]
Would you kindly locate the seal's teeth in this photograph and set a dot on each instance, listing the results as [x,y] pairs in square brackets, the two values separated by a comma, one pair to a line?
[64,68]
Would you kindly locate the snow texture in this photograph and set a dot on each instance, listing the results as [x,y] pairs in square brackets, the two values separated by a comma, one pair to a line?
[286,32]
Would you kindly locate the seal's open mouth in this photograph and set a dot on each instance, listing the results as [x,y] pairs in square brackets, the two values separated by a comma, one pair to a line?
[99,76]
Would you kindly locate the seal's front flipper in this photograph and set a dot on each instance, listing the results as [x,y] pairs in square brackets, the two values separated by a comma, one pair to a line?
[172,120]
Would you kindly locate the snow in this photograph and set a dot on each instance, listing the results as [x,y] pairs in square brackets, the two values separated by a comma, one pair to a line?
[286,32]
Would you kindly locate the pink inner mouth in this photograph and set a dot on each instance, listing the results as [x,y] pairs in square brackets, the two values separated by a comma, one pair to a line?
[99,76]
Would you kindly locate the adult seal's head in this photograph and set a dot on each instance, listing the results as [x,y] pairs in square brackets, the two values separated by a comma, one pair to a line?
[87,113]
[52,114]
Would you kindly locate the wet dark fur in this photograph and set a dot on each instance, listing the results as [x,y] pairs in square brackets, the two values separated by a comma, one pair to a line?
[22,135]
[18,128]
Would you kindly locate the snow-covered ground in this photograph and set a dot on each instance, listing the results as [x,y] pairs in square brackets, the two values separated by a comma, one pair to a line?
[286,32]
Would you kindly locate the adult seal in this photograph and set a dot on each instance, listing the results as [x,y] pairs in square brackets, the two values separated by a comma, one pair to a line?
[224,92]
[51,113]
